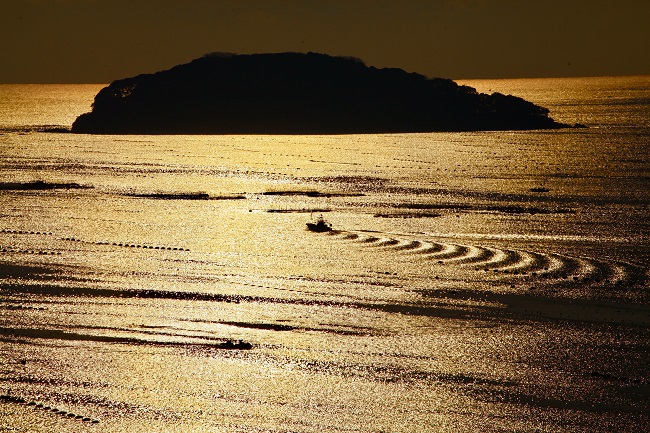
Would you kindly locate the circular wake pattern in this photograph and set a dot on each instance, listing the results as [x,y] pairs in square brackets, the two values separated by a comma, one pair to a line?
[408,246]
[507,265]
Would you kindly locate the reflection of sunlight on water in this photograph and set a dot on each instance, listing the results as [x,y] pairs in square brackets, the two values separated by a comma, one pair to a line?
[454,289]
[517,236]
[44,104]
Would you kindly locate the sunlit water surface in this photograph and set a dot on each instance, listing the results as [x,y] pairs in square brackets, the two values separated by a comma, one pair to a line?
[489,281]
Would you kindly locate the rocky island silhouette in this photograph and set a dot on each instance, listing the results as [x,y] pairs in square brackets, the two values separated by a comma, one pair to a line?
[298,93]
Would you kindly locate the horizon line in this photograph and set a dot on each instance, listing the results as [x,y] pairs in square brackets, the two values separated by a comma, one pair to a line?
[453,79]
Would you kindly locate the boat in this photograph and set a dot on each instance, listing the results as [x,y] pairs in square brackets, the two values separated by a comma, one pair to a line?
[319,226]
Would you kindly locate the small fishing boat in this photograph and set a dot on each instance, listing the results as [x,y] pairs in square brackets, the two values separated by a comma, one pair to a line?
[320,225]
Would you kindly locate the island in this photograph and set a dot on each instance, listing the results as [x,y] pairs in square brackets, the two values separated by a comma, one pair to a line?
[299,93]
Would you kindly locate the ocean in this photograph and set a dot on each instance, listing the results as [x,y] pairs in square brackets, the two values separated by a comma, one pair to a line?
[471,282]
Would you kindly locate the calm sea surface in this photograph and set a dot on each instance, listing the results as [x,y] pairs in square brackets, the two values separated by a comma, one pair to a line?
[473,282]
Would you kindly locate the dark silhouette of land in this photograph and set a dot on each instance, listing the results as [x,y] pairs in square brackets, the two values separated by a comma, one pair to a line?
[293,93]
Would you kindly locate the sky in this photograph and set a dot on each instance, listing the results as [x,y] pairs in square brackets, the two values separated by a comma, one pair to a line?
[98,41]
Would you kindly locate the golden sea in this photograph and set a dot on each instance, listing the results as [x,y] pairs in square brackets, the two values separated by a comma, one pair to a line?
[472,282]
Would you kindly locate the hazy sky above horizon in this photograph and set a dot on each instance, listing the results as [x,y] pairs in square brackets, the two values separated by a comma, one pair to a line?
[98,41]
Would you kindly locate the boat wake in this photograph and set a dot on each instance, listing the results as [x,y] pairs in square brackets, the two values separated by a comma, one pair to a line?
[504,265]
